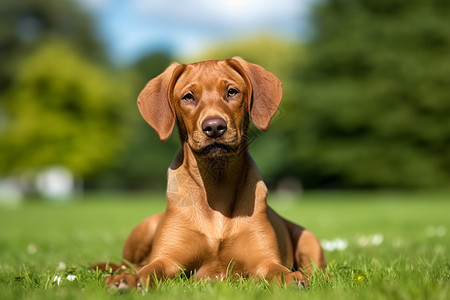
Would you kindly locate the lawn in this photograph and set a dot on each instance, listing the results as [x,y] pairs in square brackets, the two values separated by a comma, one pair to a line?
[380,245]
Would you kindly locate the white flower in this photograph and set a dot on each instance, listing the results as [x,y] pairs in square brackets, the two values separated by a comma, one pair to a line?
[32,249]
[363,241]
[439,231]
[377,239]
[340,244]
[336,244]
[62,265]
[57,279]
[71,277]
[371,240]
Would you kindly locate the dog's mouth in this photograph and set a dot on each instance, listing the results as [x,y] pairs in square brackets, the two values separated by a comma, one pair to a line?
[216,149]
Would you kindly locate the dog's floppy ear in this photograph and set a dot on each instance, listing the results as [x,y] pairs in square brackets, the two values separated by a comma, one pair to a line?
[154,101]
[265,92]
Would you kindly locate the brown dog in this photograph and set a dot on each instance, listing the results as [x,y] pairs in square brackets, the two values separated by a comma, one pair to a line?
[217,220]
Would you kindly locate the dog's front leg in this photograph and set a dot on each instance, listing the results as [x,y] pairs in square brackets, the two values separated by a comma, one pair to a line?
[156,270]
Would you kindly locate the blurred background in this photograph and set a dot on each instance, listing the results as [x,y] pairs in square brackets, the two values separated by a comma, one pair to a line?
[366,102]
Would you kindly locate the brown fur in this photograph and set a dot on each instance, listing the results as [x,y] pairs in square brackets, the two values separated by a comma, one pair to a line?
[217,219]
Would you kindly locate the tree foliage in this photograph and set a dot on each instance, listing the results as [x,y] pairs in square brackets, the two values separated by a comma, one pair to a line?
[59,102]
[61,109]
[375,95]
[24,24]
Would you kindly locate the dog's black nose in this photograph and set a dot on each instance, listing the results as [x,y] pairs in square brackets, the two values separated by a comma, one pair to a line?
[214,127]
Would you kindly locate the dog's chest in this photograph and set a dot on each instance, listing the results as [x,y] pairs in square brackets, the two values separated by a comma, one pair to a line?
[225,249]
[227,238]
[217,228]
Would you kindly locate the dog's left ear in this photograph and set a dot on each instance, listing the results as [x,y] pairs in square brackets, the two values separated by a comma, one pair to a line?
[265,91]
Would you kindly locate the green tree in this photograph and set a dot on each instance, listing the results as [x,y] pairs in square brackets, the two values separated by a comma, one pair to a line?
[375,95]
[62,109]
[24,24]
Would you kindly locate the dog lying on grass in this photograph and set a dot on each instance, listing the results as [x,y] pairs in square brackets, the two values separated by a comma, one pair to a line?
[217,214]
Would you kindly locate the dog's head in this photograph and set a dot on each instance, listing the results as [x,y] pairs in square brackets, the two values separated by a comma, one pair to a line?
[212,102]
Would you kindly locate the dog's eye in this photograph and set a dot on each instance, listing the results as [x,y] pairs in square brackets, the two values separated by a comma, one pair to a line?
[232,92]
[188,97]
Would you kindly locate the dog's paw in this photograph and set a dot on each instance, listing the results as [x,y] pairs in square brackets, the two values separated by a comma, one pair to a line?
[303,283]
[123,282]
[297,278]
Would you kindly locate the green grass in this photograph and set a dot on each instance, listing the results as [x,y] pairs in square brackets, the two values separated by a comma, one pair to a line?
[409,259]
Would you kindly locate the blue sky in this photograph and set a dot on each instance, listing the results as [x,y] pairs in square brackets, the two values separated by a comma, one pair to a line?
[134,27]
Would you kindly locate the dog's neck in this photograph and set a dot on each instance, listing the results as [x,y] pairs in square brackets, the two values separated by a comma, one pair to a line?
[220,173]
[219,181]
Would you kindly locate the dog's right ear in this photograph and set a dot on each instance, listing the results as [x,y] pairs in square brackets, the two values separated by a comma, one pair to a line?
[155,103]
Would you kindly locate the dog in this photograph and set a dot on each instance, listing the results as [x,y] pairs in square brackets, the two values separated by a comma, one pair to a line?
[217,221]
